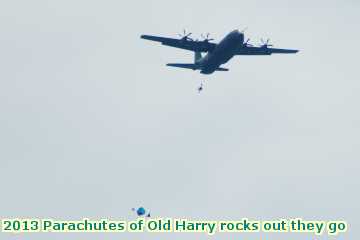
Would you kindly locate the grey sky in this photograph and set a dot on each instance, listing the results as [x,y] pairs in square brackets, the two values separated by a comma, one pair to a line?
[93,123]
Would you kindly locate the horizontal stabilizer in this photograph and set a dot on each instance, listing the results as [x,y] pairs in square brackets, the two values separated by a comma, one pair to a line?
[183,65]
[192,66]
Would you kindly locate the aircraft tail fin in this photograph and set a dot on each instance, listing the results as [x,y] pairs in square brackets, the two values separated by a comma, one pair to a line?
[183,65]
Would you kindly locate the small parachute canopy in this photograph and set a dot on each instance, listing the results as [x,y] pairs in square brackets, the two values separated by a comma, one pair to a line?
[140,211]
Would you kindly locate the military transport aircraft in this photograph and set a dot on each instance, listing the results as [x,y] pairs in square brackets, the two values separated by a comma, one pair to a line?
[217,53]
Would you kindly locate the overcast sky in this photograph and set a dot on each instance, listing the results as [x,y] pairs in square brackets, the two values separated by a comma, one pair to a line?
[93,123]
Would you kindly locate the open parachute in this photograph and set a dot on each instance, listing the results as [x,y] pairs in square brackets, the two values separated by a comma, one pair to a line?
[141,212]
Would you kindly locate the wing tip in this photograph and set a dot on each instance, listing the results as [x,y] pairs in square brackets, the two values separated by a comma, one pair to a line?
[148,37]
[288,51]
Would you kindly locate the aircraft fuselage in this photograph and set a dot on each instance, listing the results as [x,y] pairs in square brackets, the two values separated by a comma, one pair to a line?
[222,53]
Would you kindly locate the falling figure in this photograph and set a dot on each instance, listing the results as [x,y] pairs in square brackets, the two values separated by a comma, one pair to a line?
[200,88]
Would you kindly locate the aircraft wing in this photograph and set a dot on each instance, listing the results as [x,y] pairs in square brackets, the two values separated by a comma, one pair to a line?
[263,51]
[196,46]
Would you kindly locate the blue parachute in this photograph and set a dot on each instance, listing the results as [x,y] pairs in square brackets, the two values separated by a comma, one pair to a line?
[141,212]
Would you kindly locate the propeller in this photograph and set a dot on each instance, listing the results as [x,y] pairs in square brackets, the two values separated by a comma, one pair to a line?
[185,36]
[206,37]
[247,44]
[266,44]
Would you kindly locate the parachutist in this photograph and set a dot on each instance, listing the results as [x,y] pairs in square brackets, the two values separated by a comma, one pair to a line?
[200,88]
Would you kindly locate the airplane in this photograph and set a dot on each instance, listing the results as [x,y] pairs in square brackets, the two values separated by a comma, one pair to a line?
[217,53]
